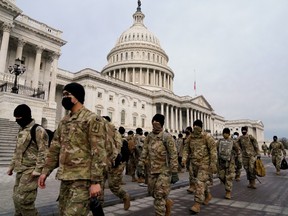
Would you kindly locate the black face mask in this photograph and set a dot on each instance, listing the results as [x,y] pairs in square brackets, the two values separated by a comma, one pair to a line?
[244,132]
[23,121]
[66,103]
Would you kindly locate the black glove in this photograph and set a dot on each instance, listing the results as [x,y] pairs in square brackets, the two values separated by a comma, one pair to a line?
[174,178]
[95,207]
[117,161]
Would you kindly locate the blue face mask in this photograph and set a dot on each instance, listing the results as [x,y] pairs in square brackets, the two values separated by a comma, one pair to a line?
[67,103]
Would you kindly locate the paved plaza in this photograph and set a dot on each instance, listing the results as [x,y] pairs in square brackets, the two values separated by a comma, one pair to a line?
[270,197]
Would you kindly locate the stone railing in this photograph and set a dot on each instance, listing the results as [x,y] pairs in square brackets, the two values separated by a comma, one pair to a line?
[23,90]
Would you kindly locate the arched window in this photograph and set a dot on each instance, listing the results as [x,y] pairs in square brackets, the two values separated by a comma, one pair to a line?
[123,117]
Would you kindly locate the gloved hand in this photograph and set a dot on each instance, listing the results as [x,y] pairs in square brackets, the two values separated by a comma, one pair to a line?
[140,171]
[213,168]
[117,161]
[258,156]
[174,178]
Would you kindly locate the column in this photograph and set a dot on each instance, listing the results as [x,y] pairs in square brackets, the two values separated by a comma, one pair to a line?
[162,108]
[19,50]
[54,69]
[147,76]
[191,117]
[154,77]
[187,117]
[126,75]
[180,119]
[140,77]
[4,46]
[176,119]
[37,63]
[167,117]
[133,76]
[120,74]
[171,87]
[172,119]
[195,113]
[160,79]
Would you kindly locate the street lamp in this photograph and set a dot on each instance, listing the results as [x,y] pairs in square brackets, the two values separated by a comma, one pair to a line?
[16,69]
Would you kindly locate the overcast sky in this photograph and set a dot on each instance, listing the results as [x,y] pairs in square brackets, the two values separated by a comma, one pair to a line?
[237,48]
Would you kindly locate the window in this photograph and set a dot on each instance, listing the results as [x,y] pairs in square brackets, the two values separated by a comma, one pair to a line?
[122,117]
[134,104]
[110,98]
[142,122]
[99,94]
[123,101]
[98,112]
[143,106]
[134,121]
[110,114]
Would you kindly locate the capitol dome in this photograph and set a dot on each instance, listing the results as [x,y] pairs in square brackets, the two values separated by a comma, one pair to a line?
[138,58]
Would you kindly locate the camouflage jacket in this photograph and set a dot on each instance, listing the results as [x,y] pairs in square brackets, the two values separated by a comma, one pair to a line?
[160,152]
[235,151]
[276,149]
[28,154]
[248,145]
[202,150]
[78,147]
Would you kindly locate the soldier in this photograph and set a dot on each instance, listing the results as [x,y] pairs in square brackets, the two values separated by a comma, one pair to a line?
[78,149]
[139,138]
[250,152]
[264,148]
[180,147]
[203,156]
[114,174]
[228,151]
[161,155]
[276,149]
[238,159]
[132,164]
[28,161]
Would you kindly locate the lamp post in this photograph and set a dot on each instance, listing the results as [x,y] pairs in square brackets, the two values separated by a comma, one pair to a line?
[16,69]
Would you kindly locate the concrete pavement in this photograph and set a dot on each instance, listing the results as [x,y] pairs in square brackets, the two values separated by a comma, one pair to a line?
[270,197]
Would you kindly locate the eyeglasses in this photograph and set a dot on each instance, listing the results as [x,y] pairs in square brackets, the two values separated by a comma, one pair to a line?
[66,94]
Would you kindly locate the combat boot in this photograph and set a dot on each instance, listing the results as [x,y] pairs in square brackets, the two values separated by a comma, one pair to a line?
[169,204]
[237,178]
[228,195]
[277,172]
[195,208]
[134,179]
[208,197]
[141,180]
[126,201]
[191,188]
[252,184]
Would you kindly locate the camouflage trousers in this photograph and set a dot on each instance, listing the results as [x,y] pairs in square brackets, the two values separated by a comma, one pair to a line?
[276,160]
[74,198]
[114,177]
[202,177]
[24,194]
[226,174]
[159,188]
[249,166]
[265,151]
[132,164]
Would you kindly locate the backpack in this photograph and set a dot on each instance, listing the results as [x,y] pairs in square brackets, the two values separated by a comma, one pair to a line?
[33,134]
[259,168]
[225,149]
[284,164]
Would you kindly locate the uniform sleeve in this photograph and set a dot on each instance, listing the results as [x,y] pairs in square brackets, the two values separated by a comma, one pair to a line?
[144,153]
[213,150]
[172,152]
[42,140]
[283,149]
[52,159]
[255,144]
[186,149]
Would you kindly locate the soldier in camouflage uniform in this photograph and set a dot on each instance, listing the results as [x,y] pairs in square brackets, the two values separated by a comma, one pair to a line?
[139,138]
[228,152]
[264,148]
[78,150]
[114,174]
[28,161]
[161,155]
[276,149]
[133,161]
[250,152]
[203,155]
[238,159]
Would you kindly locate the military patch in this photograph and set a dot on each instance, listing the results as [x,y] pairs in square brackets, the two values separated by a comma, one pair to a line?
[96,126]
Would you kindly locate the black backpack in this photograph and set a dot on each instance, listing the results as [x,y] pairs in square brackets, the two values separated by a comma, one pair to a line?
[284,164]
[33,134]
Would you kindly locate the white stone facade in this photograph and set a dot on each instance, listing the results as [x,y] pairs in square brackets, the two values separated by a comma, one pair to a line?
[135,84]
